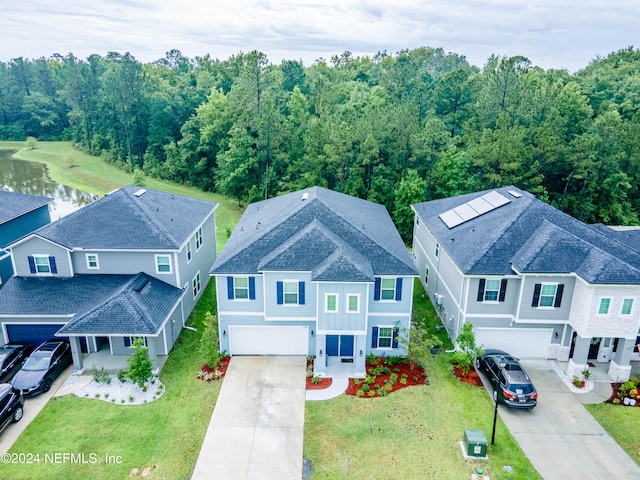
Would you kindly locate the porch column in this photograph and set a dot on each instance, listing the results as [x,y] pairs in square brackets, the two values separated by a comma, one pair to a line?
[76,353]
[152,353]
[578,362]
[619,368]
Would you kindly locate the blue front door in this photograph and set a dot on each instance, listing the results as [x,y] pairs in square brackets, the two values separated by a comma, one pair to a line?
[339,345]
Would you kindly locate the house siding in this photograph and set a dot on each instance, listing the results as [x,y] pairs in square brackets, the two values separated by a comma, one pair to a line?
[240,305]
[342,320]
[38,246]
[400,322]
[24,224]
[508,306]
[527,312]
[393,306]
[294,312]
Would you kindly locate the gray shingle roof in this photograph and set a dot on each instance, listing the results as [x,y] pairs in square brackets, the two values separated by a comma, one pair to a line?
[101,304]
[533,237]
[334,236]
[14,204]
[122,220]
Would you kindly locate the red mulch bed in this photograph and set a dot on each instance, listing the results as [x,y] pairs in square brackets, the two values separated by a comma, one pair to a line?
[418,373]
[614,395]
[472,378]
[321,385]
[222,366]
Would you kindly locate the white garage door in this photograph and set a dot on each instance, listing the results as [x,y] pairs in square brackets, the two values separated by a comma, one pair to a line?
[246,340]
[519,342]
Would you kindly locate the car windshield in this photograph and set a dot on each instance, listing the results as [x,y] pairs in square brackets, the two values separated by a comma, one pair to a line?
[34,364]
[521,387]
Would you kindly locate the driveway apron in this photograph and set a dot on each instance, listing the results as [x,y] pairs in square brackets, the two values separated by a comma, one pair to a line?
[560,437]
[257,426]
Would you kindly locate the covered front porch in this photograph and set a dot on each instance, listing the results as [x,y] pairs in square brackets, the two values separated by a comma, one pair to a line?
[617,355]
[340,356]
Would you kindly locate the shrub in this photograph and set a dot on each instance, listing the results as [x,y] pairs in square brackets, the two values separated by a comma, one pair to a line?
[369,379]
[468,351]
[122,375]
[139,364]
[360,393]
[209,348]
[415,379]
[396,370]
[101,376]
[315,380]
[386,371]
[403,381]
[404,376]
[372,393]
[393,378]
[366,388]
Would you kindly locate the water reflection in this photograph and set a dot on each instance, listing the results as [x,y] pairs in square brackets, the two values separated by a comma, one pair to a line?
[32,178]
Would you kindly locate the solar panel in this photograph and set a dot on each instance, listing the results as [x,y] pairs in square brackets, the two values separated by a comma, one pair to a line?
[140,192]
[513,193]
[476,207]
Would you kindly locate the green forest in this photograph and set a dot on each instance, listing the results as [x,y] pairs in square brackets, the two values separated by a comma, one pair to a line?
[395,128]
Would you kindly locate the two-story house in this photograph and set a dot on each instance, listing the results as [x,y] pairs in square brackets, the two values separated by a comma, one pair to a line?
[317,273]
[20,214]
[131,264]
[532,280]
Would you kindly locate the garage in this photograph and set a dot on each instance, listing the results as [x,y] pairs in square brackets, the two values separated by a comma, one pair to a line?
[519,342]
[268,340]
[36,333]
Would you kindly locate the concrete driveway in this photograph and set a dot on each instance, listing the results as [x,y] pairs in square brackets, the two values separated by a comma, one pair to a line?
[257,426]
[559,436]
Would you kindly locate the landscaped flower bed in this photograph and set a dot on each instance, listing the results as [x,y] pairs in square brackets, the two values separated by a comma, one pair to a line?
[208,373]
[627,393]
[385,375]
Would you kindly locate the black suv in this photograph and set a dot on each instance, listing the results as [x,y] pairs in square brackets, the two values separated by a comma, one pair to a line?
[511,383]
[11,405]
[11,357]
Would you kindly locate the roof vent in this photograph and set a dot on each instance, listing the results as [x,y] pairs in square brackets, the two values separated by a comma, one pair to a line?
[140,192]
[513,193]
[139,284]
[305,196]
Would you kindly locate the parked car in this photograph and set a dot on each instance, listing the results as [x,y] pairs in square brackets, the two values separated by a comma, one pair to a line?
[11,357]
[42,367]
[513,386]
[11,405]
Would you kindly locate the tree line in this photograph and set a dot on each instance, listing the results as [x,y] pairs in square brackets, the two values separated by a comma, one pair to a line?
[395,128]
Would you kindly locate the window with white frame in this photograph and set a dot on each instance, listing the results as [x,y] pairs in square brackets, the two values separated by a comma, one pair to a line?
[353,303]
[385,337]
[330,302]
[437,249]
[627,304]
[491,290]
[198,239]
[42,263]
[547,294]
[189,251]
[128,341]
[195,284]
[92,261]
[290,293]
[426,275]
[604,306]
[241,288]
[163,264]
[388,289]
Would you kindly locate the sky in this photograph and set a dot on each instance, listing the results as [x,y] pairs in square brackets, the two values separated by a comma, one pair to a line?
[565,34]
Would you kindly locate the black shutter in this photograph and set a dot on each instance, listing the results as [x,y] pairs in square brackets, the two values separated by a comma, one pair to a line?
[558,299]
[252,288]
[536,295]
[32,264]
[503,289]
[376,289]
[52,265]
[398,289]
[374,337]
[481,285]
[230,290]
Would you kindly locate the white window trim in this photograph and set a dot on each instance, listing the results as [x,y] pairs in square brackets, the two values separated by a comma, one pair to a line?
[188,251]
[196,276]
[390,347]
[548,307]
[284,294]
[170,264]
[89,267]
[395,286]
[497,300]
[357,295]
[131,339]
[326,302]
[48,264]
[235,297]
[608,306]
[622,306]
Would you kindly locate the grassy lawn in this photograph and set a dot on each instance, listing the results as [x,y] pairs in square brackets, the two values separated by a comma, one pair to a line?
[412,433]
[167,433]
[76,169]
[622,423]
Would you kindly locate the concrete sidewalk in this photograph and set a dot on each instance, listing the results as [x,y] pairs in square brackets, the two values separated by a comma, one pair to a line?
[257,426]
[559,436]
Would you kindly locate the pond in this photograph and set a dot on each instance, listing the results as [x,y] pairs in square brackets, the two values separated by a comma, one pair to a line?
[33,178]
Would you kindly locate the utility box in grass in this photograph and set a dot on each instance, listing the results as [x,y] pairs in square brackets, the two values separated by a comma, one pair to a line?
[475,443]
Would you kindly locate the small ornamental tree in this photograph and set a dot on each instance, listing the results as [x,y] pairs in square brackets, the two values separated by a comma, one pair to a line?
[418,345]
[209,348]
[139,364]
[466,351]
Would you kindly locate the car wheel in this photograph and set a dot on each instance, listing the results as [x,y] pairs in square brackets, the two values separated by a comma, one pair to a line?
[46,386]
[17,414]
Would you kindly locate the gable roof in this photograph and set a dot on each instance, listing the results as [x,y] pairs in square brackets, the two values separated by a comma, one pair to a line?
[14,204]
[531,236]
[130,218]
[99,304]
[334,236]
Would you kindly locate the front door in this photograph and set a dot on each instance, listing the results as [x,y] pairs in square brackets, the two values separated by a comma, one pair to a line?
[340,346]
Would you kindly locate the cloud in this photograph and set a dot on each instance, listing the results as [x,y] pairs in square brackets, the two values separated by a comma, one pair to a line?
[551,34]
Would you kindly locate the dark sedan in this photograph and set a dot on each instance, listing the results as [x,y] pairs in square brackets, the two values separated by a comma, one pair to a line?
[42,367]
[511,383]
[11,357]
[11,405]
